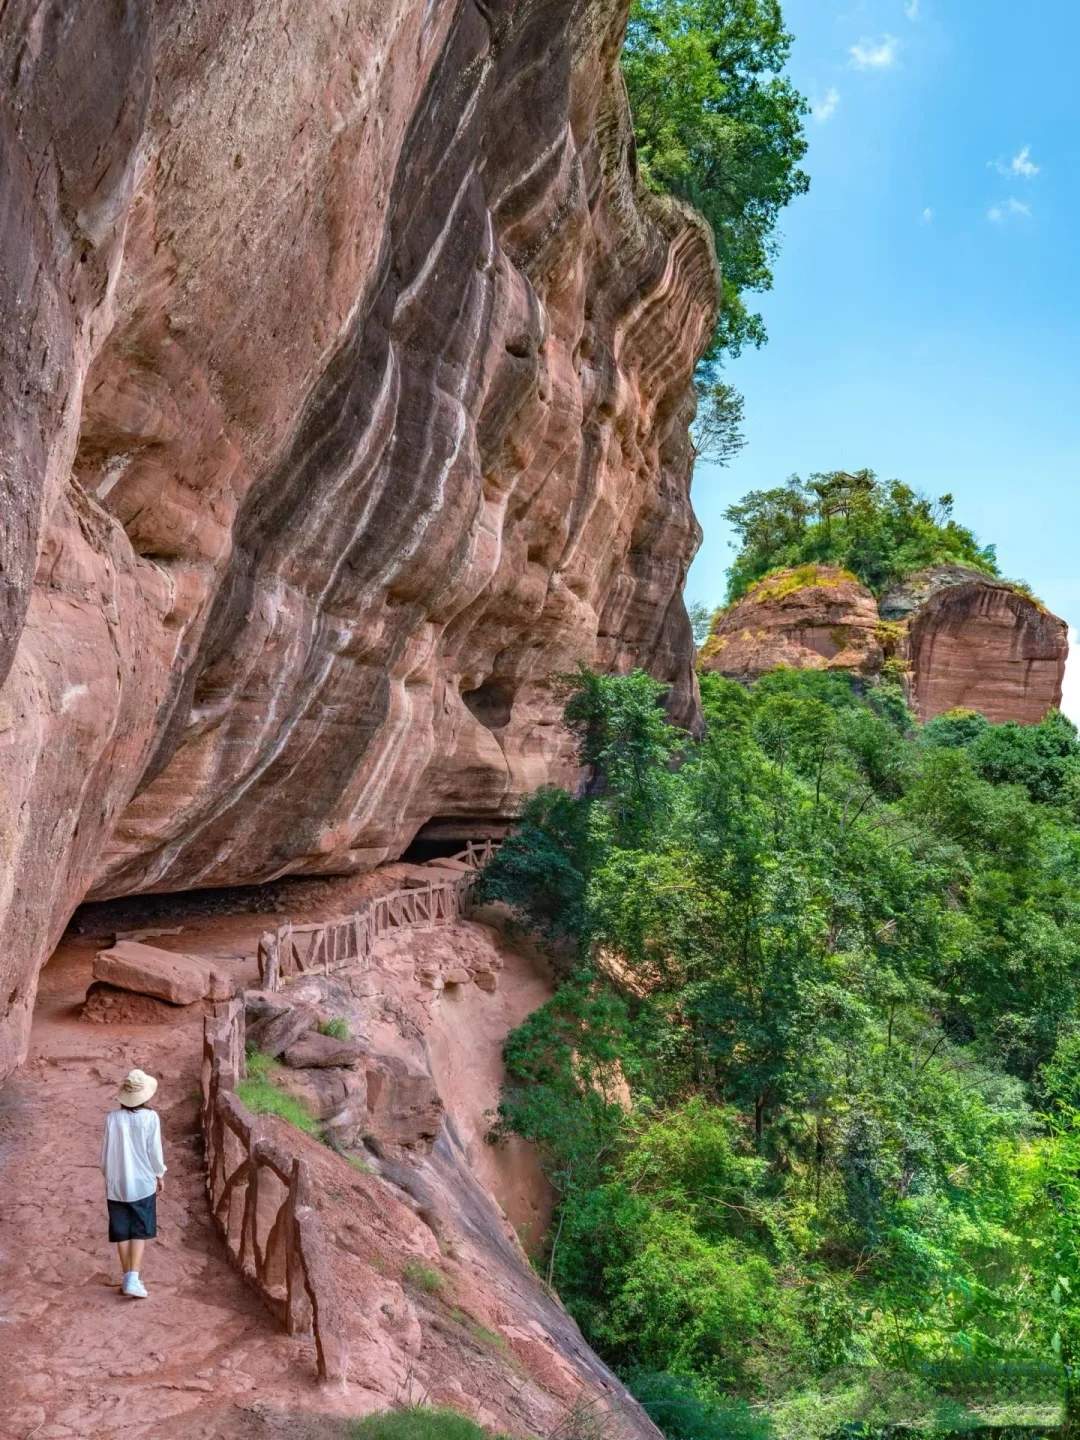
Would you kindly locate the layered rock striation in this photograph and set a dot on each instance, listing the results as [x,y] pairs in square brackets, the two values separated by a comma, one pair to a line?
[957,637]
[344,394]
[972,642]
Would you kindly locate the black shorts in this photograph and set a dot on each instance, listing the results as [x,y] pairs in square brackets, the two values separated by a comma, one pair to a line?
[133,1219]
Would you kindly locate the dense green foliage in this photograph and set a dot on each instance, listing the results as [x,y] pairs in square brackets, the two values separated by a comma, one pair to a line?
[718,124]
[809,1089]
[881,531]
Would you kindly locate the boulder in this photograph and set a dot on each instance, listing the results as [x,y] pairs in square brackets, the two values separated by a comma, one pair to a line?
[336,1098]
[107,1005]
[278,1032]
[404,1108]
[167,975]
[815,617]
[262,1005]
[316,1051]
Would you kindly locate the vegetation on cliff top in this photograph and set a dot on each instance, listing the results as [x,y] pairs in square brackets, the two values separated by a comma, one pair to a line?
[809,1091]
[718,124]
[881,531]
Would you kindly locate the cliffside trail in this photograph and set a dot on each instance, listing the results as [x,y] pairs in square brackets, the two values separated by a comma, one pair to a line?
[201,1358]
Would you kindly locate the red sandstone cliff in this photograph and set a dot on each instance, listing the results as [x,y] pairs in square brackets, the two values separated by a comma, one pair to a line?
[343,399]
[962,638]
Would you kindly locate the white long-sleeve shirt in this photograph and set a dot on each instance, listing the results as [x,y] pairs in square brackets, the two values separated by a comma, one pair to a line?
[131,1157]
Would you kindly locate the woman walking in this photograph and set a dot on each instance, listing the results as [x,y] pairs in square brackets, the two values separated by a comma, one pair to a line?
[134,1167]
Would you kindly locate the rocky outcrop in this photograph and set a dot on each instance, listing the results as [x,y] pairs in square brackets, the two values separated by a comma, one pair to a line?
[976,643]
[957,637]
[344,387]
[813,618]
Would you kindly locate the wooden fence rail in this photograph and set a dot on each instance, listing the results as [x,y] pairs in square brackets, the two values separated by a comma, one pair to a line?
[346,944]
[260,1200]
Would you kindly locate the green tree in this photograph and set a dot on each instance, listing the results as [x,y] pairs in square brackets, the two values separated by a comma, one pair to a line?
[881,531]
[718,124]
[800,1096]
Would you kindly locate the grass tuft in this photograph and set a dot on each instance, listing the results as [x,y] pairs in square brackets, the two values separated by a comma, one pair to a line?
[338,1027]
[263,1096]
[423,1277]
[418,1422]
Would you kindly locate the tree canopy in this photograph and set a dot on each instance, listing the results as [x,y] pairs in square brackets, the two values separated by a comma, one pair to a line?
[808,1090]
[718,124]
[880,530]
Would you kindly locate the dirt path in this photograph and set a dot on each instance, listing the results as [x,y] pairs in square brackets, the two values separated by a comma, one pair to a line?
[202,1359]
[77,1360]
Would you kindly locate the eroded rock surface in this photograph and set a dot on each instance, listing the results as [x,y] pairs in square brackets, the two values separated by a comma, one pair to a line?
[978,644]
[344,384]
[959,638]
[813,618]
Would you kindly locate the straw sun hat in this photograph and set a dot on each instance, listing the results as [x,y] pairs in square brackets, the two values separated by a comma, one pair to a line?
[137,1088]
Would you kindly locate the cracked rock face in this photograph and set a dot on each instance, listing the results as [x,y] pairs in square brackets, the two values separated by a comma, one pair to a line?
[344,389]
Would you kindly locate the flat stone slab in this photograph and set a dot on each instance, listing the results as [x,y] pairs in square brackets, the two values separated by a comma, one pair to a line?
[167,975]
[319,1052]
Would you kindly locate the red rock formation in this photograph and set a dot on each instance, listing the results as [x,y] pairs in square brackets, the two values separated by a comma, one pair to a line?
[967,639]
[813,618]
[343,400]
[977,643]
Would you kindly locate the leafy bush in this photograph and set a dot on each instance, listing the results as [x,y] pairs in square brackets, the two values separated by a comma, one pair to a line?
[718,124]
[337,1027]
[881,531]
[424,1277]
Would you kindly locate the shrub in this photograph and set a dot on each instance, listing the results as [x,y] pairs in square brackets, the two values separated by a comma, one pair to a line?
[338,1027]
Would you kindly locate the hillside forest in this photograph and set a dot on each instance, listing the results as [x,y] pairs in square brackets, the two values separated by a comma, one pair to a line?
[809,1089]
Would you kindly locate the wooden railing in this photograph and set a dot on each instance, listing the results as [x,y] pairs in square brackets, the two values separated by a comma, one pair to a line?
[346,944]
[260,1201]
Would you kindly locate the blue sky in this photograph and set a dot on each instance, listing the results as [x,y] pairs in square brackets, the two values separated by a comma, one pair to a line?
[925,320]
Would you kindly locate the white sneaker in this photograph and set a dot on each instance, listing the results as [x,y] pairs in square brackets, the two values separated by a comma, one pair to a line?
[134,1287]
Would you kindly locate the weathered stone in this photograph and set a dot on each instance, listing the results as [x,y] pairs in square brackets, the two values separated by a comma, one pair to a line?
[813,618]
[312,487]
[106,1005]
[278,1032]
[262,1005]
[976,643]
[327,1093]
[960,638]
[318,1051]
[179,979]
[456,975]
[403,1104]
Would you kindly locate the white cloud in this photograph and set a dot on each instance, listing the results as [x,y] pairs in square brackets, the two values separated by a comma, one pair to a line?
[1006,209]
[875,54]
[1021,165]
[928,216]
[825,108]
[911,9]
